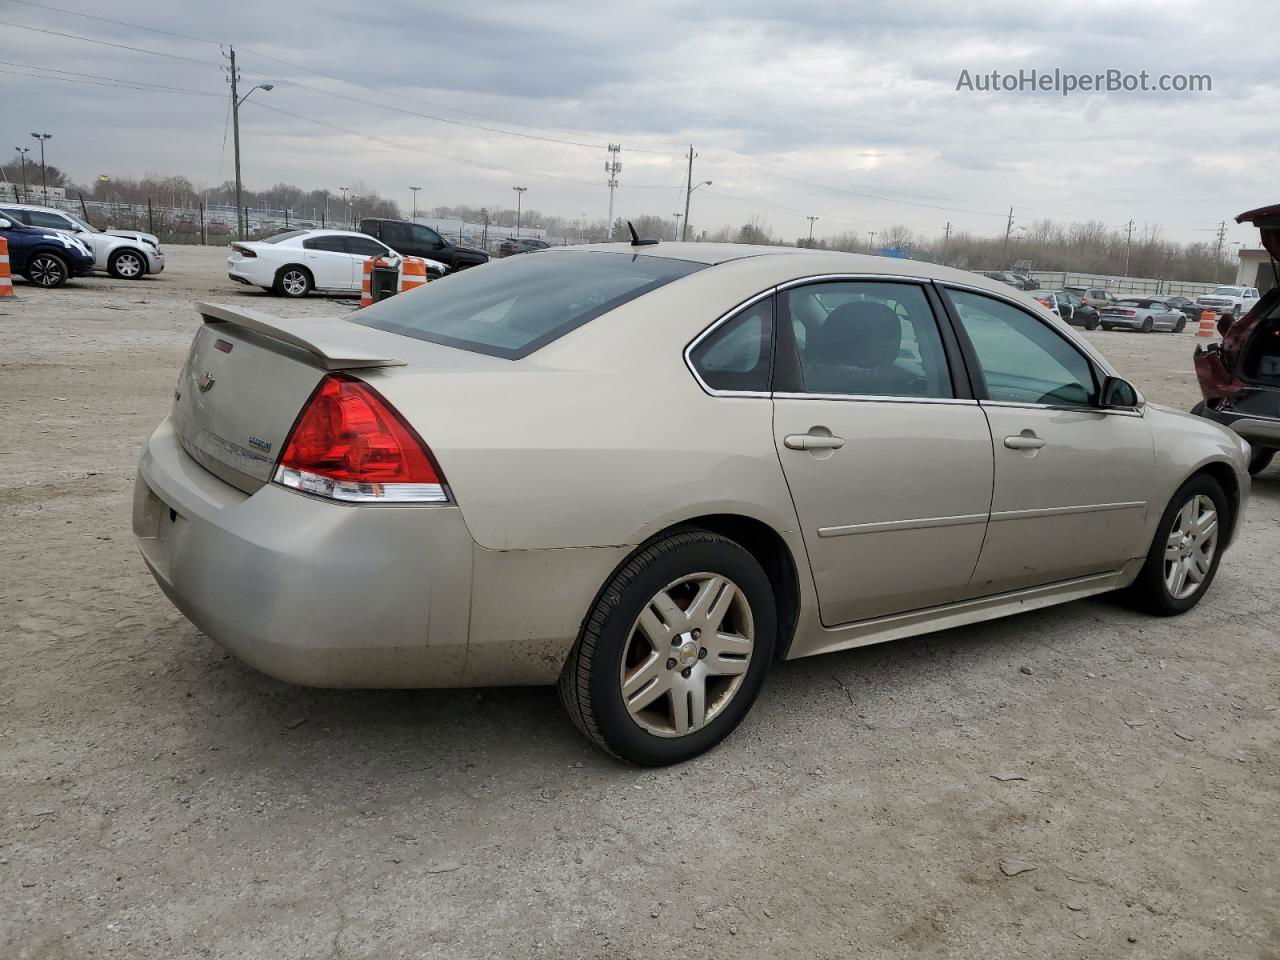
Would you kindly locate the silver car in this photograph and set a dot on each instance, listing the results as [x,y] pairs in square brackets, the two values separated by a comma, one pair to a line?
[1143,313]
[124,254]
[649,472]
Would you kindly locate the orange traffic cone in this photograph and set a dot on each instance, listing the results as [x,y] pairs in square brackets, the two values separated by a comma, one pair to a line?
[413,273]
[1208,324]
[6,278]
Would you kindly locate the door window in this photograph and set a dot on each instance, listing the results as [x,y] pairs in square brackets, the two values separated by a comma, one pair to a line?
[394,233]
[427,238]
[863,338]
[331,242]
[738,354]
[1022,359]
[365,247]
[38,218]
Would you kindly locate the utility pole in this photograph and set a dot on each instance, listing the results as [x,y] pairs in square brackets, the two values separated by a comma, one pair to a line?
[811,222]
[22,152]
[675,235]
[44,182]
[688,192]
[1128,244]
[241,220]
[1217,250]
[1008,229]
[946,233]
[612,167]
[415,201]
[872,235]
[519,199]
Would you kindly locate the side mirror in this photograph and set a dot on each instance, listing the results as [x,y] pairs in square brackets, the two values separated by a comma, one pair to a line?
[1118,393]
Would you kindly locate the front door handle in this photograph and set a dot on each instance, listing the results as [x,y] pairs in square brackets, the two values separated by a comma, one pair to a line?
[812,441]
[1022,442]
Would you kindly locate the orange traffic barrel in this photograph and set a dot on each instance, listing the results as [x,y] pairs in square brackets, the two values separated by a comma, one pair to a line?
[1208,324]
[6,278]
[413,273]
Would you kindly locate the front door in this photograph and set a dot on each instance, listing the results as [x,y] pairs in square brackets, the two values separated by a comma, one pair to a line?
[1071,479]
[888,462]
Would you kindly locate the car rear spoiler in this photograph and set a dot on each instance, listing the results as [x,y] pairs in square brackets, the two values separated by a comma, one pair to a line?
[1267,220]
[331,340]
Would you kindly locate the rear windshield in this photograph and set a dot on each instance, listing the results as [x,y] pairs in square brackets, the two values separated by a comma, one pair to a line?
[1131,302]
[512,307]
[284,236]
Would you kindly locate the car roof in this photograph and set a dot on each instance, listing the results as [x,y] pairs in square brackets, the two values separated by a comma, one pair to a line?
[35,206]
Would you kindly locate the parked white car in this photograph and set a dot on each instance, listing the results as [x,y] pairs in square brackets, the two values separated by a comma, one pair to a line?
[294,263]
[1236,301]
[124,254]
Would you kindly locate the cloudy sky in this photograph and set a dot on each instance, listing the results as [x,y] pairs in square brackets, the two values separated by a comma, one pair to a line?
[844,110]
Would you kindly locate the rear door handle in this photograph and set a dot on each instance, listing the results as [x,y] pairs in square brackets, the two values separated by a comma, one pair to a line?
[811,441]
[1020,442]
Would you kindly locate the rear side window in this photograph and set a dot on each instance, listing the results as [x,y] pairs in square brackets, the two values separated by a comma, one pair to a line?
[738,355]
[287,235]
[513,307]
[365,247]
[331,242]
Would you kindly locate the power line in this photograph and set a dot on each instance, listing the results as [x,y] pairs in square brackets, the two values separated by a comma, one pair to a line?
[118,23]
[445,156]
[117,80]
[110,86]
[108,43]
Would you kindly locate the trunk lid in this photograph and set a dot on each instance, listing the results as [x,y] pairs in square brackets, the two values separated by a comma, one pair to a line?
[247,377]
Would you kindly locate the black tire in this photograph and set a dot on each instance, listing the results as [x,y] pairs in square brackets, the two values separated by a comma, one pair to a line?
[1180,325]
[293,281]
[1091,324]
[590,684]
[1107,327]
[1150,592]
[1260,460]
[1148,325]
[46,269]
[1235,312]
[127,265]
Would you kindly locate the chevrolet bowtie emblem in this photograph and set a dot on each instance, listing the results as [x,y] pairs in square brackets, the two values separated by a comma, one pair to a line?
[205,382]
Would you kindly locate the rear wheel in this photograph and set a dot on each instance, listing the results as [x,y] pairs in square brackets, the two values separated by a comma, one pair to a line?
[47,270]
[1260,460]
[1184,555]
[674,651]
[1147,325]
[127,265]
[293,282]
[1091,323]
[1107,327]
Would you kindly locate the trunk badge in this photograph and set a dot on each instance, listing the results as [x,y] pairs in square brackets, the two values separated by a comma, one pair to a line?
[206,381]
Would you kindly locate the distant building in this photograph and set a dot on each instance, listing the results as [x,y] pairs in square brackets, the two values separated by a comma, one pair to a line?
[1255,270]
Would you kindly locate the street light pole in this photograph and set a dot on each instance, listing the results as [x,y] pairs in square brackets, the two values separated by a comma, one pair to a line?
[236,100]
[684,235]
[519,203]
[415,201]
[675,235]
[44,182]
[811,222]
[22,152]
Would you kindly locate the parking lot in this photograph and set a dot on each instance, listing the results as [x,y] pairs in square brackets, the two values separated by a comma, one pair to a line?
[1081,781]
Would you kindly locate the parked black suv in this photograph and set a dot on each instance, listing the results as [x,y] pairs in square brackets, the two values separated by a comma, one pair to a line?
[415,240]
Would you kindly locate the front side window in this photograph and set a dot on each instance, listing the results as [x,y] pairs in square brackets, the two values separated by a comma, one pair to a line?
[513,307]
[863,338]
[1021,358]
[365,247]
[38,218]
[739,353]
[427,237]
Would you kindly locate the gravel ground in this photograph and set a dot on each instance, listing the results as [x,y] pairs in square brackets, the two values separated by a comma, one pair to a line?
[158,799]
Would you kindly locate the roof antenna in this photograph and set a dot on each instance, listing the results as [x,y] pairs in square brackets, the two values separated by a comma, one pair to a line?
[635,237]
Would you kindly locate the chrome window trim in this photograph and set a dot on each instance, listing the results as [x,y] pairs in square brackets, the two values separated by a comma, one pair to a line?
[716,325]
[874,398]
[1065,407]
[838,277]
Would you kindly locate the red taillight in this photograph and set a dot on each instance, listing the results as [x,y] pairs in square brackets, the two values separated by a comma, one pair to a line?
[243,251]
[350,444]
[1127,313]
[1044,303]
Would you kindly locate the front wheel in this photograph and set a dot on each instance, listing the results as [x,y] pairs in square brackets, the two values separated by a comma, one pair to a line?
[674,651]
[1184,555]
[1180,325]
[1259,461]
[47,270]
[127,265]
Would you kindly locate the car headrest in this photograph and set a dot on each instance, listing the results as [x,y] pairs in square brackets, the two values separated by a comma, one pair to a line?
[862,333]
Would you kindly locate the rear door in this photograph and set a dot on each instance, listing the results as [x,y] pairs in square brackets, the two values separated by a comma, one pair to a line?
[887,455]
[1071,479]
[327,258]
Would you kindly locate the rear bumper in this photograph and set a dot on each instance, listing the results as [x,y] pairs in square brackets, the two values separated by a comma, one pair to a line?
[1260,431]
[1133,323]
[306,591]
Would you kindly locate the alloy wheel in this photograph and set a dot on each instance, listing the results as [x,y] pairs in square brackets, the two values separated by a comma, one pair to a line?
[294,283]
[128,265]
[1188,554]
[687,654]
[45,272]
